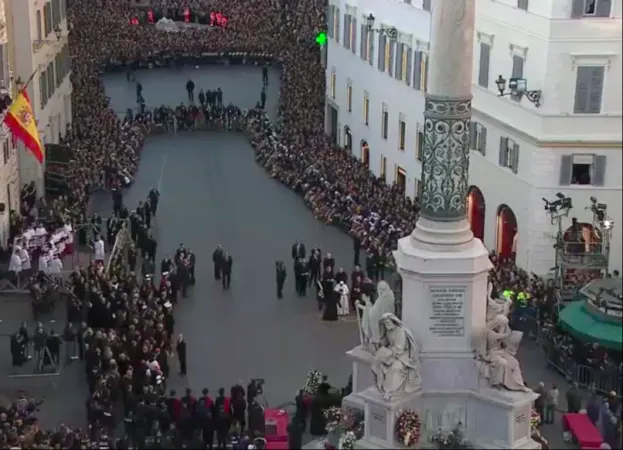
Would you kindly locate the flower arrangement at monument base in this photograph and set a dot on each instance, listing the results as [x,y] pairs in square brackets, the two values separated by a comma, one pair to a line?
[452,440]
[352,422]
[408,428]
[535,420]
[333,418]
[347,441]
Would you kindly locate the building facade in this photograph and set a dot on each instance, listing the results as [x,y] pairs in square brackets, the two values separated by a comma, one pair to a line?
[39,47]
[569,50]
[9,172]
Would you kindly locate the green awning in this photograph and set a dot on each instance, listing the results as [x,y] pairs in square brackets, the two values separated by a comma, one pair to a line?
[576,319]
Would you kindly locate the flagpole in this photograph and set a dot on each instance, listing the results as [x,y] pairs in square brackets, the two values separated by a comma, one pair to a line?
[28,81]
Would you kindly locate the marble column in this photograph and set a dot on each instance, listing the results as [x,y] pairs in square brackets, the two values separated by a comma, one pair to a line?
[444,269]
[443,214]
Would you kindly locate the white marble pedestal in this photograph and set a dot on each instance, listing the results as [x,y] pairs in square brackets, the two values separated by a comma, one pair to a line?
[362,377]
[381,416]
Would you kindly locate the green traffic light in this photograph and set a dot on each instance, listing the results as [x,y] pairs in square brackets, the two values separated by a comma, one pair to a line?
[321,38]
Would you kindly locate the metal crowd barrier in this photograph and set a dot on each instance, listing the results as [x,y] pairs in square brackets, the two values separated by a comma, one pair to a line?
[599,380]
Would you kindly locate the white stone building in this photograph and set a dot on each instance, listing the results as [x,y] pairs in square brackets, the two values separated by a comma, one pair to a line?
[570,50]
[39,37]
[9,173]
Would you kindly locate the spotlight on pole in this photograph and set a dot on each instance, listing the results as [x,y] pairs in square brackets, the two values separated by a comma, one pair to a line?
[559,208]
[600,214]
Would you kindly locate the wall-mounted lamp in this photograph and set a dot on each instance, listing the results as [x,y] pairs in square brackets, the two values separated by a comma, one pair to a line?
[58,32]
[392,33]
[518,87]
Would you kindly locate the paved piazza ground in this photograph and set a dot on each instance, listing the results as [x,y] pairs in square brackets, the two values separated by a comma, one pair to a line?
[214,193]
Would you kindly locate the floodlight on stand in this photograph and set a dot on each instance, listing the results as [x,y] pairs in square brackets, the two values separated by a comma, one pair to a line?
[608,224]
[370,21]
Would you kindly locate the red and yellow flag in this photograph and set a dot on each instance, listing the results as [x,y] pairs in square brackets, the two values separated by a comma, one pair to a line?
[21,121]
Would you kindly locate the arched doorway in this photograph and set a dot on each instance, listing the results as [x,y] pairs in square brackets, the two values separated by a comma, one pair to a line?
[476,211]
[581,237]
[506,232]
[365,154]
[348,139]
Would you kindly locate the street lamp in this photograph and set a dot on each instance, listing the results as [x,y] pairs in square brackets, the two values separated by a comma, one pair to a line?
[19,84]
[392,33]
[518,87]
[58,31]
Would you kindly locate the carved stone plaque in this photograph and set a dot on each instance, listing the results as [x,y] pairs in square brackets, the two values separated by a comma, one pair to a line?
[377,422]
[447,310]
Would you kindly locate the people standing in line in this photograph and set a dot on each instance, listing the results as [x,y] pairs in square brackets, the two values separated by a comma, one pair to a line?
[228,262]
[281,278]
[315,261]
[181,354]
[265,75]
[190,88]
[217,260]
[551,403]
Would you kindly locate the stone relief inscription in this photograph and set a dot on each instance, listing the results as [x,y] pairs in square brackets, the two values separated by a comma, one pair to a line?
[448,313]
[378,422]
[522,427]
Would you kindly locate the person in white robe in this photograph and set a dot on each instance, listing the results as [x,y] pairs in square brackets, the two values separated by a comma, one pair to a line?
[41,234]
[343,308]
[44,261]
[55,266]
[25,258]
[99,250]
[15,264]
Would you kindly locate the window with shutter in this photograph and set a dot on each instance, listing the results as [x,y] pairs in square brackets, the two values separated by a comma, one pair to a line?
[39,26]
[366,109]
[566,169]
[43,92]
[482,140]
[604,8]
[417,70]
[392,52]
[370,37]
[385,122]
[56,13]
[426,5]
[522,4]
[330,19]
[424,75]
[517,73]
[336,25]
[589,89]
[51,84]
[473,138]
[63,9]
[514,166]
[47,18]
[483,70]
[363,42]
[404,64]
[503,152]
[402,134]
[409,54]
[346,32]
[382,53]
[3,81]
[353,35]
[599,170]
[399,50]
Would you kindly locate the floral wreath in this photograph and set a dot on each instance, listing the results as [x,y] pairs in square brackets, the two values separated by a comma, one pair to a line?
[333,417]
[347,441]
[535,420]
[408,428]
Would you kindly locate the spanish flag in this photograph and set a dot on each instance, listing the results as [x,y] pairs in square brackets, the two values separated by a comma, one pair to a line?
[21,121]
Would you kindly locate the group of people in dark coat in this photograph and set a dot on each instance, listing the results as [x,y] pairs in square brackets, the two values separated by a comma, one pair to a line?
[223,263]
[321,272]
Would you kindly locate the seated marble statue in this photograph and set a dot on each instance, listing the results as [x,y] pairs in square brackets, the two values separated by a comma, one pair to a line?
[396,365]
[496,306]
[371,315]
[495,355]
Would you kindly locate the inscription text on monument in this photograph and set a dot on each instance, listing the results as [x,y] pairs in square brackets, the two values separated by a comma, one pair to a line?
[447,311]
[377,422]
